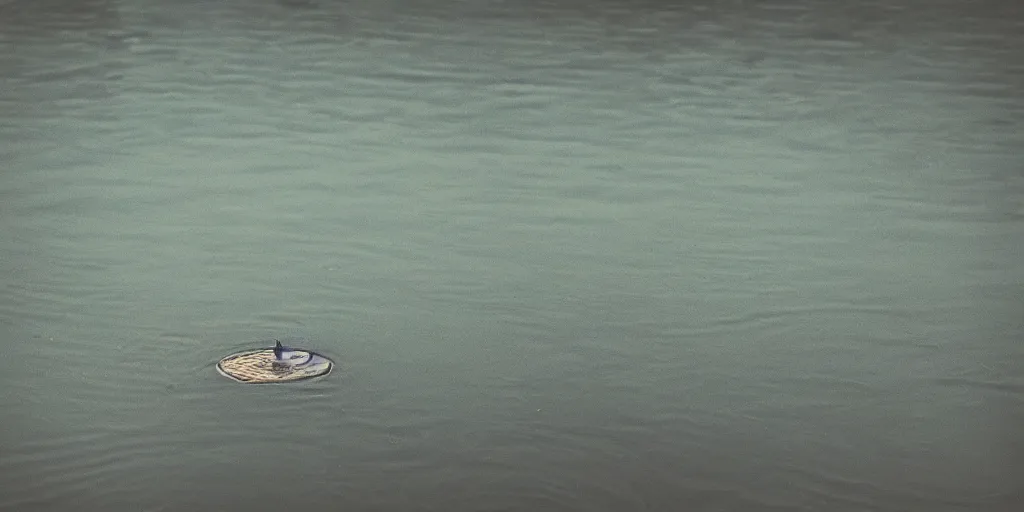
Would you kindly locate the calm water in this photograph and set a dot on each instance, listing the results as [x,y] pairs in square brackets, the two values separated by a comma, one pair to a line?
[588,256]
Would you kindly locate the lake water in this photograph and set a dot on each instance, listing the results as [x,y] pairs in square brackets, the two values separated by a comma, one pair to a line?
[586,256]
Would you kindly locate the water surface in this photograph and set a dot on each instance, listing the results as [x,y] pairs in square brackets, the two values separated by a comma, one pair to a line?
[569,256]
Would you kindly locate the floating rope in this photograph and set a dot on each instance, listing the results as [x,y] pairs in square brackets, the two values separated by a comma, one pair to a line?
[264,365]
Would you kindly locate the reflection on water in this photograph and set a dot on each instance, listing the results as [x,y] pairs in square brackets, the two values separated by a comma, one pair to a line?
[603,256]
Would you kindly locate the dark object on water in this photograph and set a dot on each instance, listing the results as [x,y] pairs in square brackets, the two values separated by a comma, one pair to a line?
[278,364]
